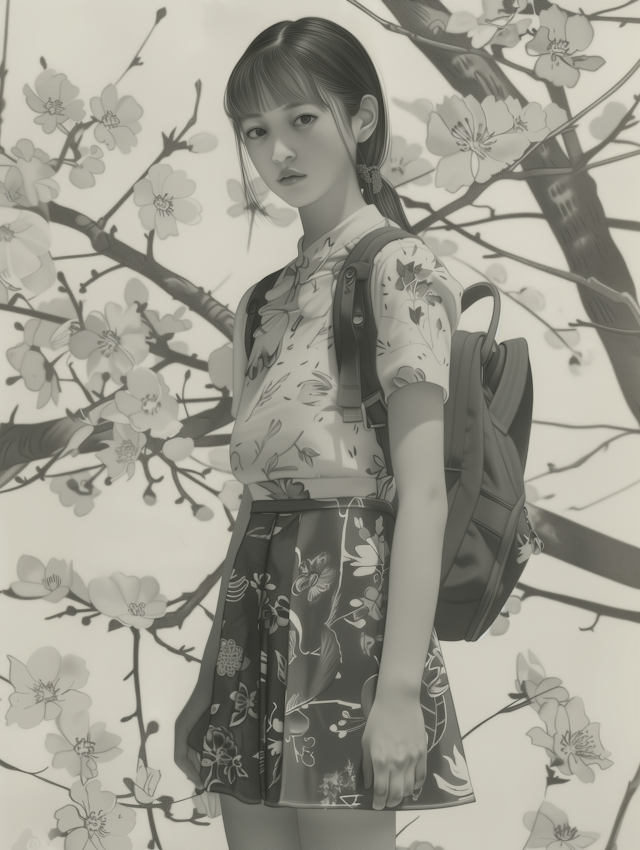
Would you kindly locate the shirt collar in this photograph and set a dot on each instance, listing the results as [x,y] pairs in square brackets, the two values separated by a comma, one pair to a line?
[350,228]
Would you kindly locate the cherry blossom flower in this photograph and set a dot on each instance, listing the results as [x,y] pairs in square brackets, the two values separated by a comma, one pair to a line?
[220,366]
[82,173]
[550,828]
[474,140]
[133,601]
[34,167]
[495,26]
[27,357]
[558,44]
[178,448]
[52,582]
[97,820]
[144,788]
[163,198]
[533,683]
[404,164]
[573,743]
[145,405]
[118,119]
[82,746]
[236,193]
[36,371]
[282,216]
[609,118]
[532,120]
[75,491]
[27,841]
[202,143]
[24,236]
[501,623]
[54,99]
[114,342]
[122,452]
[231,494]
[45,687]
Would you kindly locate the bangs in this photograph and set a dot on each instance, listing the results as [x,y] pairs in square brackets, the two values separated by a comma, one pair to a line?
[276,73]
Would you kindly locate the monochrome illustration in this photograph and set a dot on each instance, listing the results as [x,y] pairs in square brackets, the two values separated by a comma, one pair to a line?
[319,407]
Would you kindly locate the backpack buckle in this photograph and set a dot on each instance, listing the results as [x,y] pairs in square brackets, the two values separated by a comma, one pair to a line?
[365,419]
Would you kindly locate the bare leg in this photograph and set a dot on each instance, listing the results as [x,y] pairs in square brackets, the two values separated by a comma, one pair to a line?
[323,829]
[260,826]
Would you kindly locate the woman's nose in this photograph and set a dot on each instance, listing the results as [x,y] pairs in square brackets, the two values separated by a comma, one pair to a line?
[281,152]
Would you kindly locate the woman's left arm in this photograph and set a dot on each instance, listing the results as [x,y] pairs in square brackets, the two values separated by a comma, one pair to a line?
[394,742]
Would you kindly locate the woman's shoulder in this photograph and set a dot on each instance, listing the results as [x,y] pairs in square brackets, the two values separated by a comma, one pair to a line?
[405,266]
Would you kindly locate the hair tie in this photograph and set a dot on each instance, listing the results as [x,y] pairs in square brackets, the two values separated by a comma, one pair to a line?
[371,174]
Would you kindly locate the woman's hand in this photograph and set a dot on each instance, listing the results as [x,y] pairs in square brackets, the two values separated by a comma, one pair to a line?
[394,746]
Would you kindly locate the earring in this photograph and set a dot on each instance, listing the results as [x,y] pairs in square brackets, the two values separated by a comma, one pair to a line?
[371,174]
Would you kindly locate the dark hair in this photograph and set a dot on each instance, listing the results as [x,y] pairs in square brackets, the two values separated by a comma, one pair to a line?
[317,61]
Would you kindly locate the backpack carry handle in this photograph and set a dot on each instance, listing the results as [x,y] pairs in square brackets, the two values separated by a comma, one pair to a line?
[474,293]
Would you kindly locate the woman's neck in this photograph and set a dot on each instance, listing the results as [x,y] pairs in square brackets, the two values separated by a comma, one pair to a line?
[329,211]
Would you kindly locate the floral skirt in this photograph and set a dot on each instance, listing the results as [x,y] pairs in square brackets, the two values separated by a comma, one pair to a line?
[296,673]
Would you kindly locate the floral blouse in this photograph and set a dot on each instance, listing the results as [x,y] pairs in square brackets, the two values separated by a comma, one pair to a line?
[289,440]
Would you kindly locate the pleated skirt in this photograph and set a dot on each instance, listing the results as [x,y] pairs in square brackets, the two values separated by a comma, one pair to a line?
[300,646]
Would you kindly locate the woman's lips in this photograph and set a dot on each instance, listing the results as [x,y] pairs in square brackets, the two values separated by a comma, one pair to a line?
[291,179]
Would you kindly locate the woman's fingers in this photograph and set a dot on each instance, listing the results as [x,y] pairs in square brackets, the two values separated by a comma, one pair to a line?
[380,783]
[421,772]
[367,767]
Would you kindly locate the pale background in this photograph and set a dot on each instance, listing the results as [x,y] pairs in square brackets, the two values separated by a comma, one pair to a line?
[92,42]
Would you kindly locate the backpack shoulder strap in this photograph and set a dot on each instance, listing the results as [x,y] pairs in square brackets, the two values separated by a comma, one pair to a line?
[257,300]
[351,306]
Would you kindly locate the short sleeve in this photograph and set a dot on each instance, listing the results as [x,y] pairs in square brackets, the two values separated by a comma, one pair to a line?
[417,306]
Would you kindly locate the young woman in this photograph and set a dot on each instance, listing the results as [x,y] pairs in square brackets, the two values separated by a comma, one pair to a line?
[323,696]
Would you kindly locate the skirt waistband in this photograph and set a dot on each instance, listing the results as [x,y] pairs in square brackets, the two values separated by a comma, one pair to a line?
[286,506]
[323,488]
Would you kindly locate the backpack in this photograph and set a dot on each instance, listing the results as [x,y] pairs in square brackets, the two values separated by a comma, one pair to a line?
[487,422]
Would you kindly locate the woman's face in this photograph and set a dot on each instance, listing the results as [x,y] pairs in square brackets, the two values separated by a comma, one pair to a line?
[300,139]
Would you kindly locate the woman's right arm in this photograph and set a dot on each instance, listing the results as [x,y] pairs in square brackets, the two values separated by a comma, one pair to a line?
[200,699]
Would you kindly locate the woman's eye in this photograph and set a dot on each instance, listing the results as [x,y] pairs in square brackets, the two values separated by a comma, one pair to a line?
[255,130]
[305,119]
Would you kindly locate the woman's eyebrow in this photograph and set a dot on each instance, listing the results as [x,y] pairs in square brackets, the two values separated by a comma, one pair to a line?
[287,108]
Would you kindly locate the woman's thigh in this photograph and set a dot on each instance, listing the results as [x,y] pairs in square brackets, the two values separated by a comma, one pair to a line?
[350,829]
[265,827]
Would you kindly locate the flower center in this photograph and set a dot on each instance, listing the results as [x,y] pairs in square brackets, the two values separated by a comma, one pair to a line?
[6,233]
[54,107]
[479,140]
[519,125]
[12,197]
[84,746]
[110,119]
[126,452]
[580,744]
[565,831]
[45,691]
[164,204]
[559,45]
[150,404]
[136,608]
[108,342]
[96,823]
[52,582]
[313,579]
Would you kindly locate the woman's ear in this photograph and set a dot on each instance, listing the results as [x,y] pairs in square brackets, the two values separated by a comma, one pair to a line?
[365,121]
